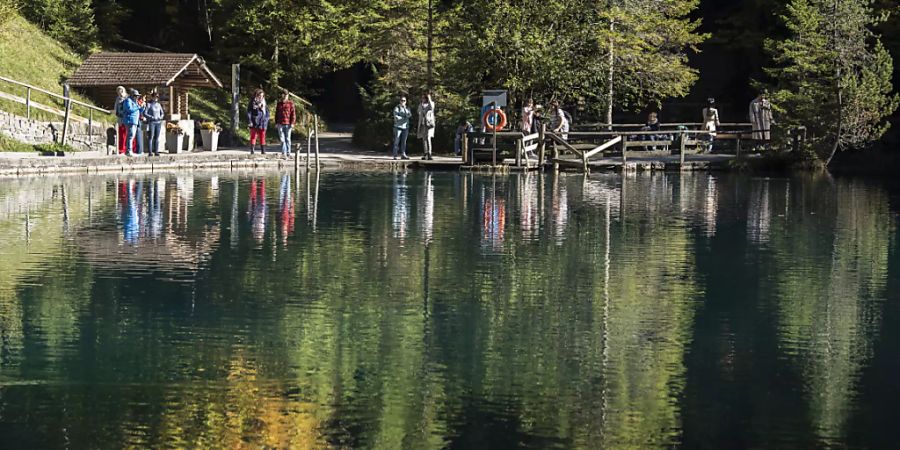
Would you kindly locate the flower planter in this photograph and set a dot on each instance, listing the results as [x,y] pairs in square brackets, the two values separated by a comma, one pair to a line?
[174,142]
[210,140]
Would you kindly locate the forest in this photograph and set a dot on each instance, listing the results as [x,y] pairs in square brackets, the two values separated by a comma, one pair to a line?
[827,63]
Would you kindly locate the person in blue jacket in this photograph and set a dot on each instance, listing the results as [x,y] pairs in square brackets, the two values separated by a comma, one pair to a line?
[131,118]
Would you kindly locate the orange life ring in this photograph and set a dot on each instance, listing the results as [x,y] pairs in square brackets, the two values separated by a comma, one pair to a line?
[485,119]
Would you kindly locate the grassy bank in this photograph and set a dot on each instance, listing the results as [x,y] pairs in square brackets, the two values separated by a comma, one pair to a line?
[32,57]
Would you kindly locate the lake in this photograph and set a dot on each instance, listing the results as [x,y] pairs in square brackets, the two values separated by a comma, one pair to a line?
[446,310]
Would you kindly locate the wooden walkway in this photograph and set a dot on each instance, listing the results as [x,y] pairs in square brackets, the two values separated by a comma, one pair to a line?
[337,152]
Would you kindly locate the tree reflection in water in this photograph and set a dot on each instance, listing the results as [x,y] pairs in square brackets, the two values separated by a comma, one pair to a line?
[408,312]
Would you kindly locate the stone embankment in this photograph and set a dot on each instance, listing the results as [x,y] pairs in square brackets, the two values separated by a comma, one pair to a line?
[34,132]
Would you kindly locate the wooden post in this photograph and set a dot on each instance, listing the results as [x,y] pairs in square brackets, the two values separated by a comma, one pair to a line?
[296,161]
[91,125]
[624,151]
[171,102]
[465,148]
[519,147]
[316,118]
[308,146]
[584,161]
[68,106]
[28,103]
[682,145]
[542,131]
[739,145]
[187,110]
[235,101]
[494,115]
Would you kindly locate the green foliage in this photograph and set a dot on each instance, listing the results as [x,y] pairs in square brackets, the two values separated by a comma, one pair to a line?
[69,21]
[833,75]
[8,10]
[8,144]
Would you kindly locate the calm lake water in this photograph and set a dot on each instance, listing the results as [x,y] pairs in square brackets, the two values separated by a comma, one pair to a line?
[448,311]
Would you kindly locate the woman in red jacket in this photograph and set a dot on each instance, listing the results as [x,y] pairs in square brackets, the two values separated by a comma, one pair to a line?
[285,118]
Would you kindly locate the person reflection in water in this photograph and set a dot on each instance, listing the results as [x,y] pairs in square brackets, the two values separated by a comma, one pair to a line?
[401,208]
[257,209]
[286,209]
[157,191]
[131,223]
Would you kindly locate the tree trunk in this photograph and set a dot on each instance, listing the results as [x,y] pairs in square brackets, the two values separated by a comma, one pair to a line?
[611,75]
[430,80]
[274,75]
[837,87]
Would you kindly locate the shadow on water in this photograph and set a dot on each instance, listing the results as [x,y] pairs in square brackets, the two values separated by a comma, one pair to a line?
[419,310]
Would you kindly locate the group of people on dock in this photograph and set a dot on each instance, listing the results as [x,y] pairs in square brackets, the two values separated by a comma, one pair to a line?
[560,122]
[132,113]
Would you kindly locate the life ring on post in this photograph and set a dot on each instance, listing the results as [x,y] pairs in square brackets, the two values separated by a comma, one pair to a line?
[500,121]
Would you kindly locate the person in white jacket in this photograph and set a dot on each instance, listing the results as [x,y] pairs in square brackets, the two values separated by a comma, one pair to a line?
[426,124]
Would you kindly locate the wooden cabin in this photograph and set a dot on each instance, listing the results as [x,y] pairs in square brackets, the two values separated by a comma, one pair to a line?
[172,75]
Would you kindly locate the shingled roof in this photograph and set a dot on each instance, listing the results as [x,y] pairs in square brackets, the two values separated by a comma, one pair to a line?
[143,69]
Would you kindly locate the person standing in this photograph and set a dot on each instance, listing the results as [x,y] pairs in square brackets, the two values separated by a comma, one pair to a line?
[121,129]
[426,124]
[711,121]
[131,118]
[463,128]
[761,117]
[560,122]
[527,116]
[402,114]
[154,115]
[285,118]
[139,137]
[258,118]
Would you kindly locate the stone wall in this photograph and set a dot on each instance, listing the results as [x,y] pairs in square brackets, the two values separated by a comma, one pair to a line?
[34,132]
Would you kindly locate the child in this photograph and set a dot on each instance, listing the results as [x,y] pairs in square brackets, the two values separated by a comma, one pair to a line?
[463,127]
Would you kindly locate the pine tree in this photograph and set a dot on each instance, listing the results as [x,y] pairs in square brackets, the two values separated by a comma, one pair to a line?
[69,21]
[833,75]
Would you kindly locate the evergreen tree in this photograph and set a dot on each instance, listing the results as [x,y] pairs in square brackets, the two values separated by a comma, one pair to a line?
[69,21]
[833,75]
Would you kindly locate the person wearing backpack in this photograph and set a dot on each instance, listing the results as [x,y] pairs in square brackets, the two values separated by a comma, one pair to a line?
[426,124]
[258,118]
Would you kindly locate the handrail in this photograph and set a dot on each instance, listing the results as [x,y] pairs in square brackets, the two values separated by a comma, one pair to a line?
[70,99]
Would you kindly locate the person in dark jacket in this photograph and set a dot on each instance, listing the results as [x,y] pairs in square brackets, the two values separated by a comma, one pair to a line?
[285,118]
[258,118]
[154,114]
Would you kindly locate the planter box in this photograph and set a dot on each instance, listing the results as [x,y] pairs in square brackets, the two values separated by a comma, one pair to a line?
[174,142]
[210,140]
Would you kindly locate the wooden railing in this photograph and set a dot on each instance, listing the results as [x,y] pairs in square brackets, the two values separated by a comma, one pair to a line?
[68,103]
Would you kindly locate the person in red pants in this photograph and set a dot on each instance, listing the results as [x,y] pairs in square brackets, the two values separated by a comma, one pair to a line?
[258,118]
[122,130]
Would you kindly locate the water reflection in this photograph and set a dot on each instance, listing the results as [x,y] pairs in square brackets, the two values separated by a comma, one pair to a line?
[639,311]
